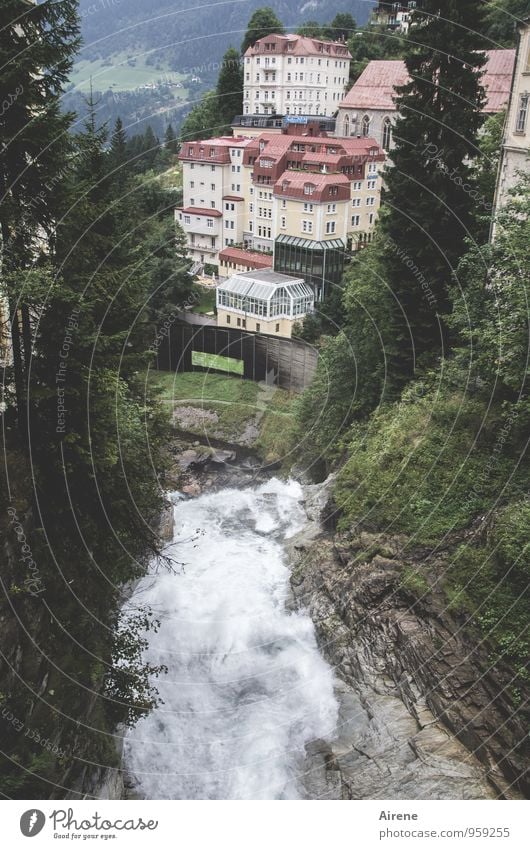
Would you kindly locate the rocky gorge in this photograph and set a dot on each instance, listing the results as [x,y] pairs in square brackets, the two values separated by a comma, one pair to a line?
[422,712]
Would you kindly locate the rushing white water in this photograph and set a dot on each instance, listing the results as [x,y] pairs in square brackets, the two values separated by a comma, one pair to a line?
[246,687]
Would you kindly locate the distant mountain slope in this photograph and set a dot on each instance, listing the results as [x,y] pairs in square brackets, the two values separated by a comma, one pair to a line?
[187,35]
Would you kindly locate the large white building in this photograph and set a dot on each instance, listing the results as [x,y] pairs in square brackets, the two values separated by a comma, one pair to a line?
[215,190]
[515,154]
[294,75]
[247,192]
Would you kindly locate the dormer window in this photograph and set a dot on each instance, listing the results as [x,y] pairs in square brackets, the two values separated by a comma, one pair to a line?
[309,188]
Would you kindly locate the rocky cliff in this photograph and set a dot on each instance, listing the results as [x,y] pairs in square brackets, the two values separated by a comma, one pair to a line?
[423,713]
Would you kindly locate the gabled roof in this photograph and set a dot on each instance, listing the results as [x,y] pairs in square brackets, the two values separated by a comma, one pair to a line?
[264,283]
[375,88]
[298,45]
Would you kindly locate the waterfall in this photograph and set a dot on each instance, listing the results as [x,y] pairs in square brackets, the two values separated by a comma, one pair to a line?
[246,687]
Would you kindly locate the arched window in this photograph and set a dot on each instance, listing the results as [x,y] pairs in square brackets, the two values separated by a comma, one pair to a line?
[387,134]
[347,126]
[365,125]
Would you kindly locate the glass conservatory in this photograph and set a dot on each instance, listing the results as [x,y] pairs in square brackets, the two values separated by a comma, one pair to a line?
[321,263]
[266,294]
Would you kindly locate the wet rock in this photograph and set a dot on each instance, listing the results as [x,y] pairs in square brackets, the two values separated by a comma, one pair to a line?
[421,715]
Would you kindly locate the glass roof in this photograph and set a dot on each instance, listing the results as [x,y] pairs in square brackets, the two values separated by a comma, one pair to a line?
[264,291]
[311,243]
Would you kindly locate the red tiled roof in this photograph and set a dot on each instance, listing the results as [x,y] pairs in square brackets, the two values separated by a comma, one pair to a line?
[291,184]
[233,197]
[279,144]
[200,210]
[246,258]
[301,46]
[497,80]
[219,147]
[375,88]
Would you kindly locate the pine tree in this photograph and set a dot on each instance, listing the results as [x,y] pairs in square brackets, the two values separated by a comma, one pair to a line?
[37,45]
[429,203]
[229,89]
[118,158]
[170,140]
[262,22]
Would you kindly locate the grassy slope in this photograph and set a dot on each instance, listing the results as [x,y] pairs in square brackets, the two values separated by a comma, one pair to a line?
[237,403]
[418,468]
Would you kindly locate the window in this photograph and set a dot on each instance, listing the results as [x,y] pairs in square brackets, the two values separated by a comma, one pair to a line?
[283,222]
[238,321]
[330,226]
[356,202]
[387,134]
[209,222]
[307,226]
[332,207]
[370,201]
[212,204]
[372,168]
[371,218]
[284,203]
[371,184]
[192,184]
[212,167]
[522,114]
[309,188]
[355,220]
[192,201]
[357,186]
[277,328]
[258,327]
[365,125]
[212,186]
[228,319]
[308,207]
[347,125]
[187,219]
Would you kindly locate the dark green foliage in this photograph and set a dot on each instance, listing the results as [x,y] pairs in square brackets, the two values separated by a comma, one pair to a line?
[170,140]
[373,42]
[262,22]
[501,19]
[484,173]
[35,41]
[229,90]
[429,208]
[491,296]
[202,121]
[341,28]
[311,29]
[490,581]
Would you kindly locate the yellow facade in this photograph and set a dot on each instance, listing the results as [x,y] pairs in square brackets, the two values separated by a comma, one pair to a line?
[271,326]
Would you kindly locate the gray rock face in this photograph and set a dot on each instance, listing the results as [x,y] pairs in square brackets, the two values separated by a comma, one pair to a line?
[421,716]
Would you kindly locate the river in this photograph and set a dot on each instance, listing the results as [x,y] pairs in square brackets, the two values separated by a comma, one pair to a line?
[246,687]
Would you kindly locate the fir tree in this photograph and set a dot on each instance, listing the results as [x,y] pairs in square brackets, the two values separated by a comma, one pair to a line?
[37,45]
[229,89]
[429,202]
[118,158]
[170,140]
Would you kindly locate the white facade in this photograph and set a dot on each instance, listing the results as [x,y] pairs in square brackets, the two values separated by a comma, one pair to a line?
[294,75]
[215,186]
[515,155]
